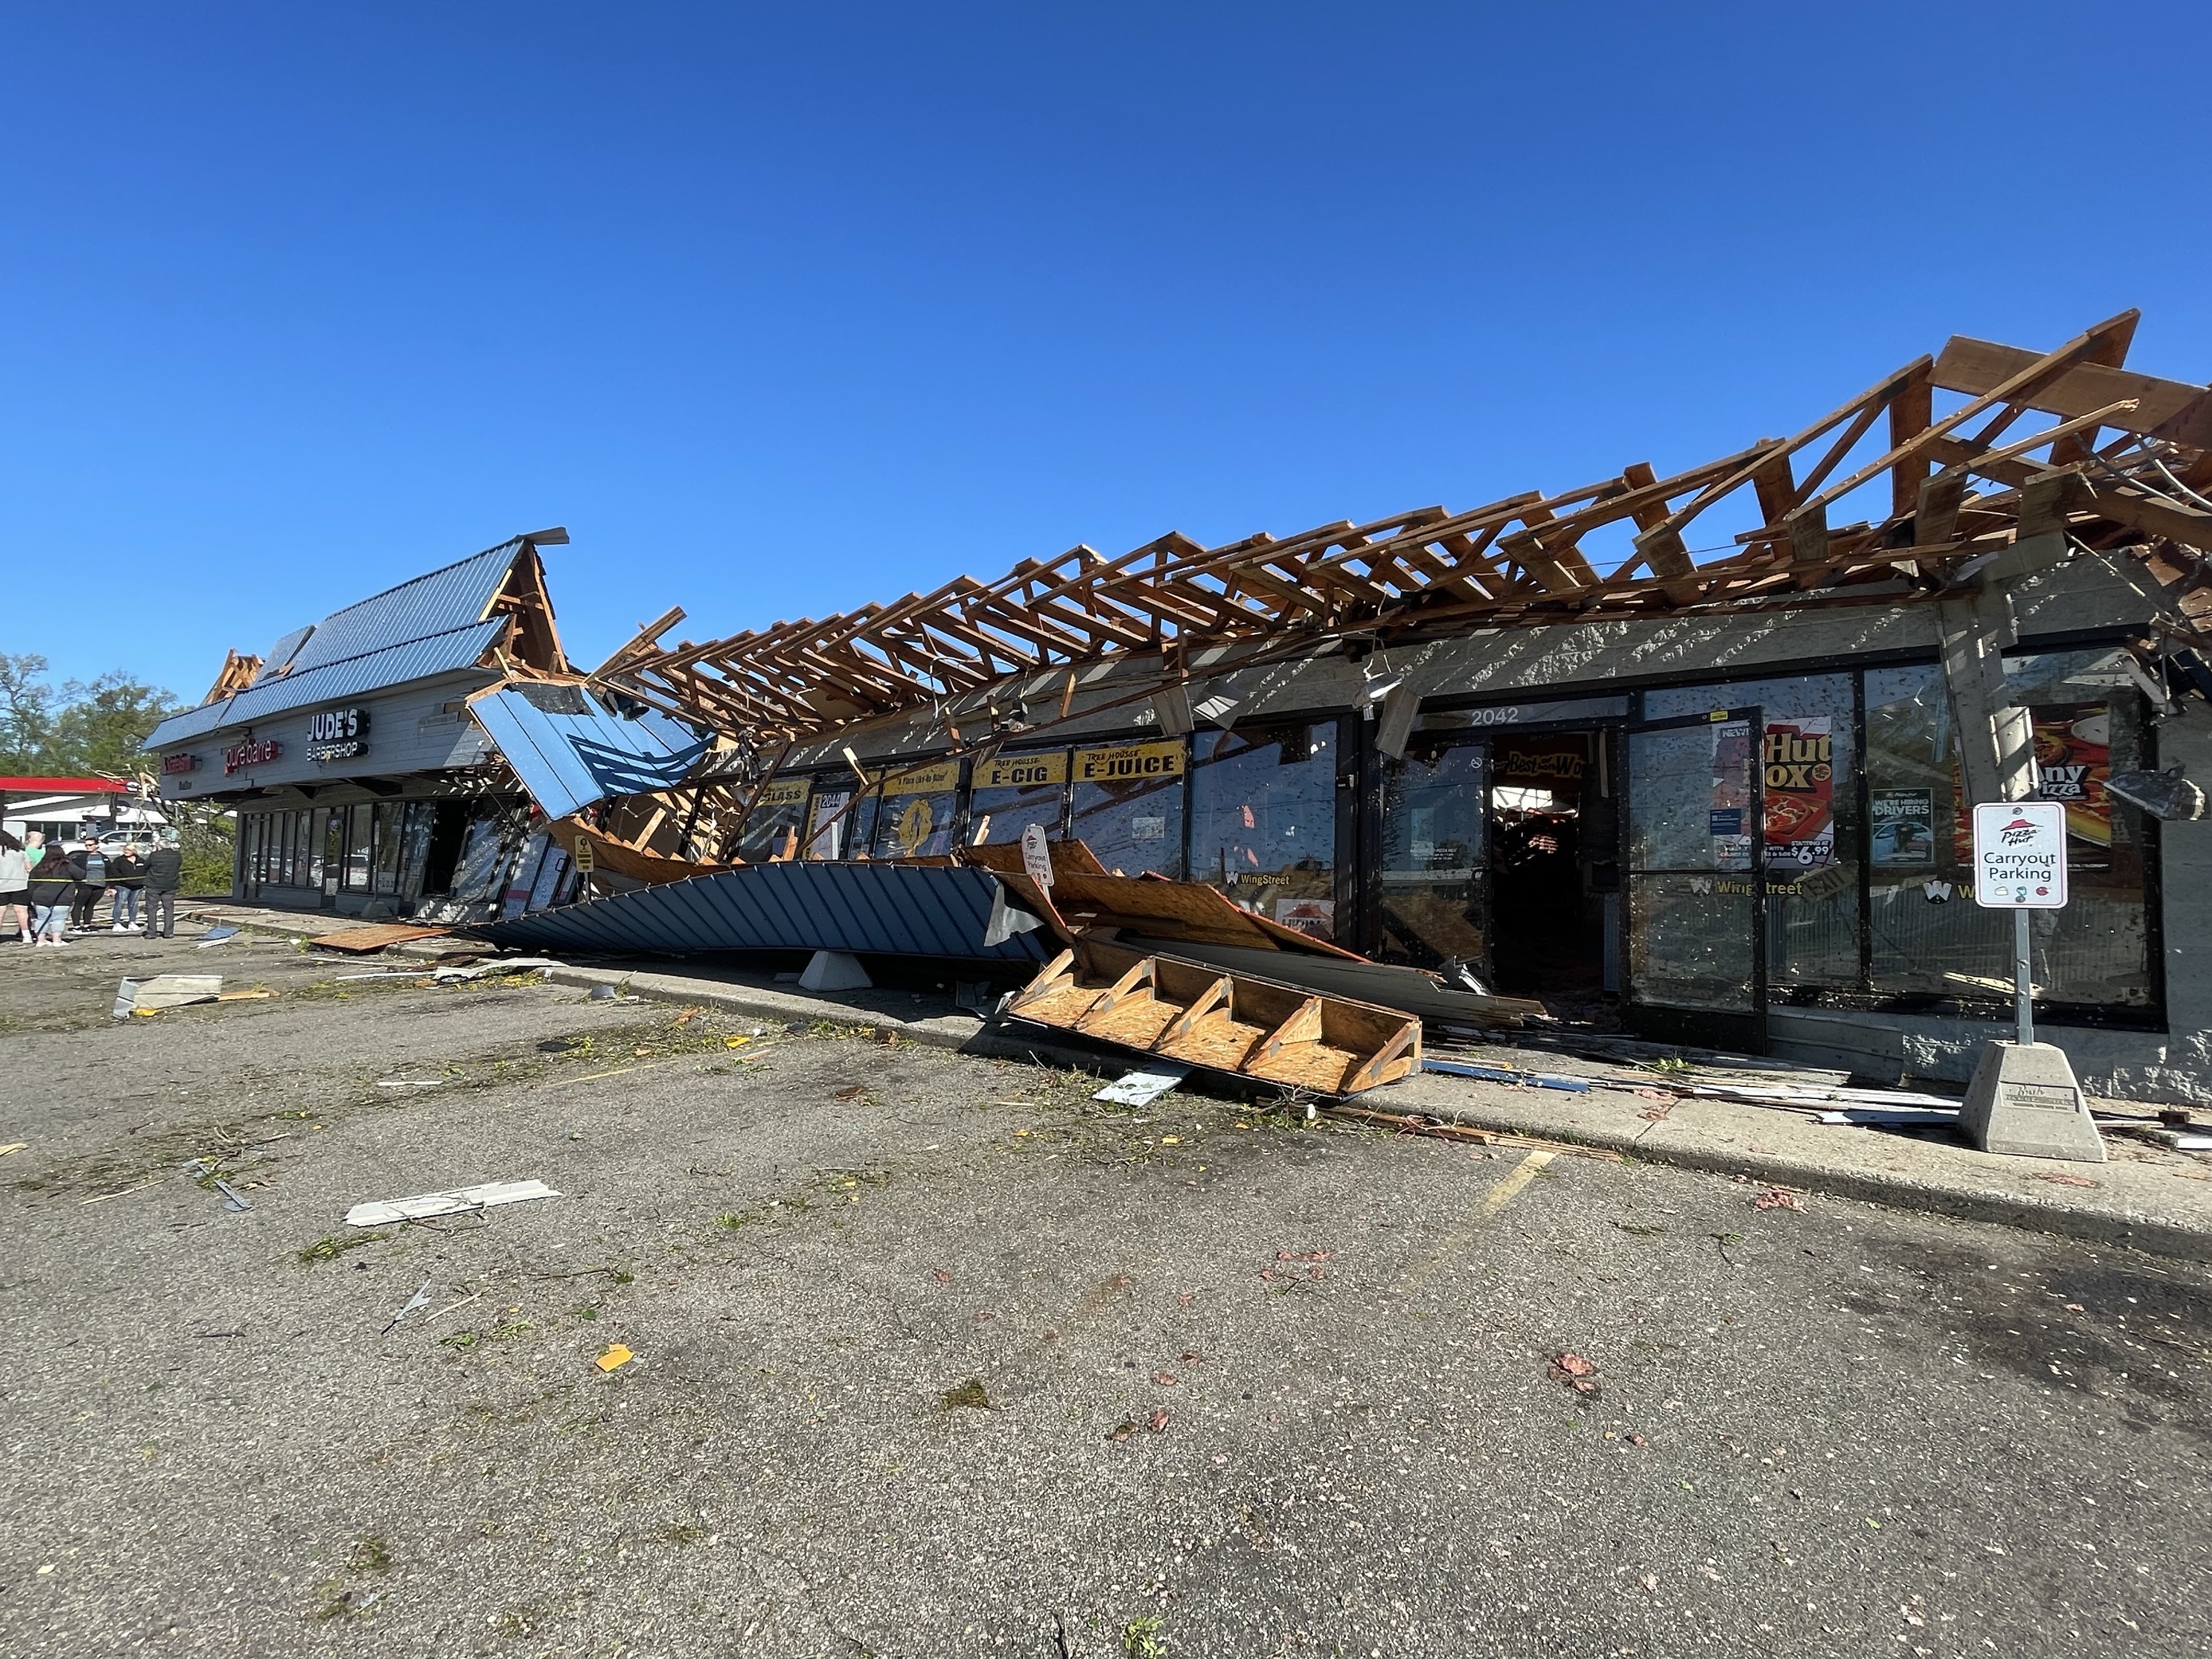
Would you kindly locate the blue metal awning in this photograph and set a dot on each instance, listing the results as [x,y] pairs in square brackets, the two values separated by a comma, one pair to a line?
[569,752]
[939,911]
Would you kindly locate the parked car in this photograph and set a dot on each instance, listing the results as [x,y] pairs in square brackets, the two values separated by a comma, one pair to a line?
[140,838]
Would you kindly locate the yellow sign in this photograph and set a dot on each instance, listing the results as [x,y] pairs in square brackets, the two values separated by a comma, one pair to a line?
[939,780]
[914,824]
[1022,771]
[1130,762]
[784,792]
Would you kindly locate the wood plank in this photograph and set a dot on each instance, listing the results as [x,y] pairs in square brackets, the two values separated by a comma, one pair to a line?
[1302,1026]
[1978,367]
[1216,995]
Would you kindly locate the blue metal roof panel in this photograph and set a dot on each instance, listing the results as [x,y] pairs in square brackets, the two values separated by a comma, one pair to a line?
[567,762]
[437,602]
[374,670]
[876,910]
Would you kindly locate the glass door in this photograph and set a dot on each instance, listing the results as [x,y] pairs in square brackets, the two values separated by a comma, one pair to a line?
[1434,877]
[1696,860]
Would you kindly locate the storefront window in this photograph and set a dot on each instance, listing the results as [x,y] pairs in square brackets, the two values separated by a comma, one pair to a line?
[1128,806]
[1009,793]
[390,815]
[916,812]
[1433,852]
[359,843]
[415,847]
[1928,936]
[827,833]
[1813,838]
[1263,820]
[775,823]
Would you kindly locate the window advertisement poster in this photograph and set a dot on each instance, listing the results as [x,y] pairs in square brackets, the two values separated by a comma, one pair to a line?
[2072,758]
[1316,916]
[1903,829]
[1801,794]
[1730,795]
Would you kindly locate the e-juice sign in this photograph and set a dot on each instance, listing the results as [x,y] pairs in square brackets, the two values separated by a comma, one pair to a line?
[1801,792]
[1129,763]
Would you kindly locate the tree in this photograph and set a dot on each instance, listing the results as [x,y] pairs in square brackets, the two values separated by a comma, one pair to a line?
[94,728]
[27,712]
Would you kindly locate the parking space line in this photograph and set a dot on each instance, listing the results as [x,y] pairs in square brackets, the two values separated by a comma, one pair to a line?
[1521,1174]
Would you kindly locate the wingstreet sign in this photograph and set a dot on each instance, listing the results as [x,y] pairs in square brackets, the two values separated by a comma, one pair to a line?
[2020,855]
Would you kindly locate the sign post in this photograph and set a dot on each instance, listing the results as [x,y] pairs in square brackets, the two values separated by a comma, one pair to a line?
[2024,1099]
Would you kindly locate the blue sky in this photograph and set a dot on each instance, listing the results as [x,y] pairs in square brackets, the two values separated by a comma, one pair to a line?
[782,311]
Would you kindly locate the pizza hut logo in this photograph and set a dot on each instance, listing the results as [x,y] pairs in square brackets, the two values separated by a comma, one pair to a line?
[2018,833]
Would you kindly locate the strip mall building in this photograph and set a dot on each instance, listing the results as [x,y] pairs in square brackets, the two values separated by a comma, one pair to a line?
[1727,803]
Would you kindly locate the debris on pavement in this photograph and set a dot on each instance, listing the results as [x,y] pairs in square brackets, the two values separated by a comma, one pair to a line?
[215,936]
[1221,1019]
[614,1358]
[1576,1372]
[2058,1180]
[13,1146]
[458,1201]
[971,1395]
[420,1299]
[1414,1123]
[149,996]
[1778,1198]
[1142,1088]
[1506,1074]
[377,936]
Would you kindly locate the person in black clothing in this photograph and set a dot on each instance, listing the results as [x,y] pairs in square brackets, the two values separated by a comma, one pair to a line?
[92,884]
[165,872]
[126,875]
[54,884]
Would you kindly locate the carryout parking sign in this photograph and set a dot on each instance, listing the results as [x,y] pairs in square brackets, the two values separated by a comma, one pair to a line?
[2019,855]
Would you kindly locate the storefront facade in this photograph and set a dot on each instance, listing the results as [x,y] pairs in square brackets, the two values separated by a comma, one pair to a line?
[1749,830]
[361,784]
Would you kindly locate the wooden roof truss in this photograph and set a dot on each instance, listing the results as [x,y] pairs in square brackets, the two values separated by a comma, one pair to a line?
[2110,455]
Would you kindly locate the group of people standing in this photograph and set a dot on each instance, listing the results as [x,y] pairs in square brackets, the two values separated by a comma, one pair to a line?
[47,891]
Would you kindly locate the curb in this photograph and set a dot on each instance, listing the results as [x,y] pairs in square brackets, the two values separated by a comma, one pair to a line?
[2149,1234]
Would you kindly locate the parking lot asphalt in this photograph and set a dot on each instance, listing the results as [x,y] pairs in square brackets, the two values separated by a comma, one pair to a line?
[933,1354]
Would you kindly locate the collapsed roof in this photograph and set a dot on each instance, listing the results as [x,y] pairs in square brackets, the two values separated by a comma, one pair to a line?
[1986,448]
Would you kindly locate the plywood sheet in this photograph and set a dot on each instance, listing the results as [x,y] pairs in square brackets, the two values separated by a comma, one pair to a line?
[377,936]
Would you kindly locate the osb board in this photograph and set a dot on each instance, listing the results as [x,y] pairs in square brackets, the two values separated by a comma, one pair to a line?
[1169,909]
[1135,1022]
[1069,858]
[624,859]
[1061,1008]
[1219,1041]
[360,941]
[1314,1065]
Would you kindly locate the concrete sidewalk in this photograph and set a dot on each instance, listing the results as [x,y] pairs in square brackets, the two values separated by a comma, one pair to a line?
[2147,1197]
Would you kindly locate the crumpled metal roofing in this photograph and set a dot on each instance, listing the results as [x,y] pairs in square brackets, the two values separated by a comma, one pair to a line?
[415,660]
[436,603]
[880,909]
[568,761]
